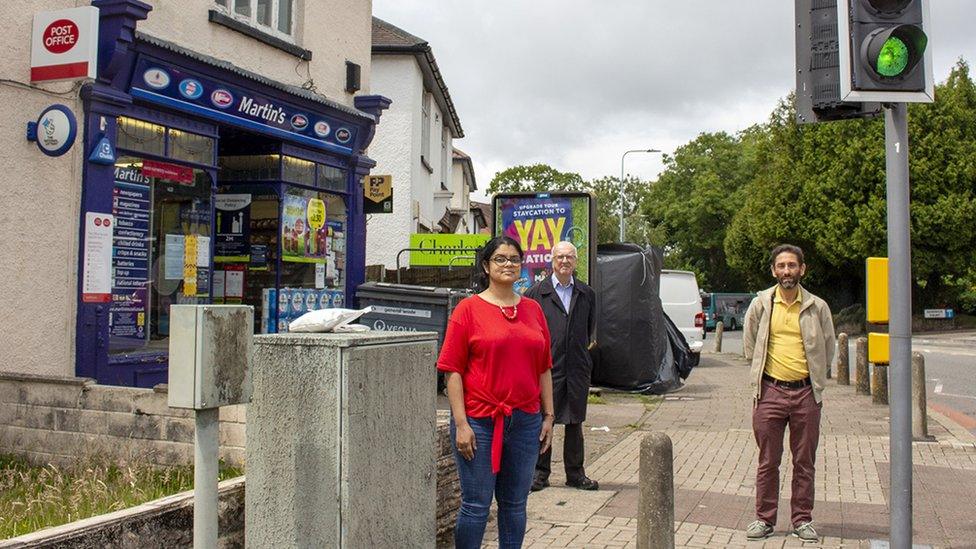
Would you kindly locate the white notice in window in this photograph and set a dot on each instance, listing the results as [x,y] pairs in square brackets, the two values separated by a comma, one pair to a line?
[96,284]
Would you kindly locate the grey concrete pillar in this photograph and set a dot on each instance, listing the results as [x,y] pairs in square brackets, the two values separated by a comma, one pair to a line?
[862,375]
[879,384]
[920,418]
[655,513]
[340,441]
[719,330]
[843,360]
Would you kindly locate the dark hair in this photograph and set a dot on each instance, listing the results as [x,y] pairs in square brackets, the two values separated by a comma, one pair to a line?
[788,248]
[479,279]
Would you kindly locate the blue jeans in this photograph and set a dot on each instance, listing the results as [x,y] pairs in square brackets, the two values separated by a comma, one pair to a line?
[510,487]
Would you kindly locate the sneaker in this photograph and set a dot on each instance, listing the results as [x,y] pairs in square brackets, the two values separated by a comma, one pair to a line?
[538,483]
[806,532]
[758,530]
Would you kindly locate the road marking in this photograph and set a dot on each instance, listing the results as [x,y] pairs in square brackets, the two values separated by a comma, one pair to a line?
[957,396]
[938,389]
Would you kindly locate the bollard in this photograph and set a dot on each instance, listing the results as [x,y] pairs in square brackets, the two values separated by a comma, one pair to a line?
[843,360]
[879,384]
[655,514]
[862,375]
[719,330]
[920,418]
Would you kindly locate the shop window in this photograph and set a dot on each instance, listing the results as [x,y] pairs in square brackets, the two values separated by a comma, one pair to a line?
[276,17]
[161,249]
[191,147]
[331,178]
[296,170]
[139,136]
[264,167]
[284,255]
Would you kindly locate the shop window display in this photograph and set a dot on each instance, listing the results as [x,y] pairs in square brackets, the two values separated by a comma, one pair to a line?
[161,249]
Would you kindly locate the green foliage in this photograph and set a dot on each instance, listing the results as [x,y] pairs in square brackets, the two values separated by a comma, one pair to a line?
[32,498]
[723,201]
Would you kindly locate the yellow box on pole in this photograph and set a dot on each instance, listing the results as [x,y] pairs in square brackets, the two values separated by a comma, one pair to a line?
[879,349]
[876,285]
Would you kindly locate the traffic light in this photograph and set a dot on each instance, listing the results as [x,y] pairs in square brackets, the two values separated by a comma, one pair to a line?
[818,73]
[884,54]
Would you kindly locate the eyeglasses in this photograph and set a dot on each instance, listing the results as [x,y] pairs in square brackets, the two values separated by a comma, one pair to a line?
[501,260]
[565,257]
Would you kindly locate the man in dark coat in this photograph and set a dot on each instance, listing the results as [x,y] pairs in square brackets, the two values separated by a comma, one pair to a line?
[570,309]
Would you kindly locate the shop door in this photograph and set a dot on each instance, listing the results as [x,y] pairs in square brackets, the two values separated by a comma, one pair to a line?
[161,257]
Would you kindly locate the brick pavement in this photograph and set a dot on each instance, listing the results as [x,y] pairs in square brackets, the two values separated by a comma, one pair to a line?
[709,422]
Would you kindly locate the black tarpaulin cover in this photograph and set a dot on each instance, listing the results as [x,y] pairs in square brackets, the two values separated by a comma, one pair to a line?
[635,351]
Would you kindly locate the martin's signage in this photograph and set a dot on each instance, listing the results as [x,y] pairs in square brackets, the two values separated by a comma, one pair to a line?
[64,44]
[179,89]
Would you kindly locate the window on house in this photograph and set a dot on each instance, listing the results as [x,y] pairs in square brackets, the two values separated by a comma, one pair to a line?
[425,128]
[445,158]
[275,17]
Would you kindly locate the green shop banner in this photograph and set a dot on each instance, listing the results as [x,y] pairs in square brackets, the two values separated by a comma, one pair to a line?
[439,249]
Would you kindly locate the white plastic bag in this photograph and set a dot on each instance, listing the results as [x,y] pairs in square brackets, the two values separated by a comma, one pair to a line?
[325,320]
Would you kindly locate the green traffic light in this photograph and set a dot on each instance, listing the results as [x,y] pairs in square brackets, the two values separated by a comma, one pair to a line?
[893,57]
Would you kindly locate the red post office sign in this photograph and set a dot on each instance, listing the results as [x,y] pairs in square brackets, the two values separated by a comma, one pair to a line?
[64,44]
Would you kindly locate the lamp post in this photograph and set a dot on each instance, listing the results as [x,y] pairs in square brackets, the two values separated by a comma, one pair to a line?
[622,185]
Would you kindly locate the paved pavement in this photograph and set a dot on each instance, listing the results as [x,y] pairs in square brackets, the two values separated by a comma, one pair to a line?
[714,466]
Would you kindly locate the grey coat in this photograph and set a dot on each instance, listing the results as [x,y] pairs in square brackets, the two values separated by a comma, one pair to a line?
[570,333]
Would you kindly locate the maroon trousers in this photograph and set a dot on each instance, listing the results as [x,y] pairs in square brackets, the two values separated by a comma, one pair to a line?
[777,408]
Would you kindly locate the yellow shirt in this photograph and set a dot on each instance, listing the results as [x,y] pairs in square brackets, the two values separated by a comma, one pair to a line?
[785,358]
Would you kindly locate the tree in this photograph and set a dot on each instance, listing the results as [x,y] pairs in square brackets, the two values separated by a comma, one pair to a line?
[534,178]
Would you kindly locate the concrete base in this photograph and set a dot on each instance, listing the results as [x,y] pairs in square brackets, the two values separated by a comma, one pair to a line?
[340,441]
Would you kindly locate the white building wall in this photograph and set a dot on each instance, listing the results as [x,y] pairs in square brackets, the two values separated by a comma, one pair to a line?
[40,216]
[396,150]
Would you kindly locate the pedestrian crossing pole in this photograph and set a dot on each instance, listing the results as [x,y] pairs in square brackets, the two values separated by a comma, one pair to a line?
[900,323]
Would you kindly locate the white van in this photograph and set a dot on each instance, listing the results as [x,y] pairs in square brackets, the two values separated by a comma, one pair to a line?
[682,304]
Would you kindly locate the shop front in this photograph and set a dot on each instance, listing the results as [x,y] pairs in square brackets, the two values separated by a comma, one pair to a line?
[221,186]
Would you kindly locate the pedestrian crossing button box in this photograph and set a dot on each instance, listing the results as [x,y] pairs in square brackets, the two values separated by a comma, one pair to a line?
[210,349]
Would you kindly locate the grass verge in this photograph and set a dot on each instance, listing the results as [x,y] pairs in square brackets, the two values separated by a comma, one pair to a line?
[34,497]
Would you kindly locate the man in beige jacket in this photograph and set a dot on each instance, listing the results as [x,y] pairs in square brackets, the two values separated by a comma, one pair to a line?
[789,336]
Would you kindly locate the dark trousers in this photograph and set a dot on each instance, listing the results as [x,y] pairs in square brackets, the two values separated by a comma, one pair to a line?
[572,455]
[777,408]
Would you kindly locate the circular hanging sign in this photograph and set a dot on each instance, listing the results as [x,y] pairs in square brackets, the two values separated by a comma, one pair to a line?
[56,130]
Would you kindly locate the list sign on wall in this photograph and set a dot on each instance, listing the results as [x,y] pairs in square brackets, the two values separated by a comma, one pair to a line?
[130,258]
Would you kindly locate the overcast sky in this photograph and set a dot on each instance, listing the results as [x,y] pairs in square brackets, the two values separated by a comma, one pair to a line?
[575,83]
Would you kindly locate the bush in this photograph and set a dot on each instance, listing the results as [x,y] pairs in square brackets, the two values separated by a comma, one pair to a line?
[851,320]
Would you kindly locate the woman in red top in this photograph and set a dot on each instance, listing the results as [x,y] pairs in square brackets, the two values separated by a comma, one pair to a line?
[497,364]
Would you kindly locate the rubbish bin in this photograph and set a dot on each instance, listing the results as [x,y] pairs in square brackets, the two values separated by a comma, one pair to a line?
[409,308]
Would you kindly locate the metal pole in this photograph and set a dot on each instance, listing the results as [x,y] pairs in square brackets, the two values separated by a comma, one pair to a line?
[900,323]
[205,478]
[622,185]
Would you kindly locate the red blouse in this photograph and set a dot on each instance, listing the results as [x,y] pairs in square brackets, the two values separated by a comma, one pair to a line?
[500,360]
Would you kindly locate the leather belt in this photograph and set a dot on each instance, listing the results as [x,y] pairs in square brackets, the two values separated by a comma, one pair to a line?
[799,384]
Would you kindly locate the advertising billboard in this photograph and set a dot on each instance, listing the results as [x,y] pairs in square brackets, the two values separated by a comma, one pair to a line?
[538,221]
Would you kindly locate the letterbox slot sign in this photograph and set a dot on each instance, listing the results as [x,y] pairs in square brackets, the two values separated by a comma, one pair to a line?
[64,44]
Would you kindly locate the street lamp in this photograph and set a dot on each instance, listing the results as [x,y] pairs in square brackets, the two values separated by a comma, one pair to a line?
[622,185]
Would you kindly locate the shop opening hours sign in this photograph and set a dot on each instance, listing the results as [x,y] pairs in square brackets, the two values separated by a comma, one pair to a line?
[64,44]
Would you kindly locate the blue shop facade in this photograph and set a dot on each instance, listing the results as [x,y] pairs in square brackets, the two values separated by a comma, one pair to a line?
[223,186]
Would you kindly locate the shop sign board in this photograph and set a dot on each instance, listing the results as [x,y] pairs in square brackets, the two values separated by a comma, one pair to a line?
[164,170]
[64,44]
[174,87]
[54,131]
[96,278]
[440,249]
[131,207]
[538,221]
[378,194]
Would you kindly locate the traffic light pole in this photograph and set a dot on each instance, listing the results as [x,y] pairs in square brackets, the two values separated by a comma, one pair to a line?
[900,324]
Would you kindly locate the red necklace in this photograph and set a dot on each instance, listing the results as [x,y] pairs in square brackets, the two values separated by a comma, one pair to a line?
[514,312]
